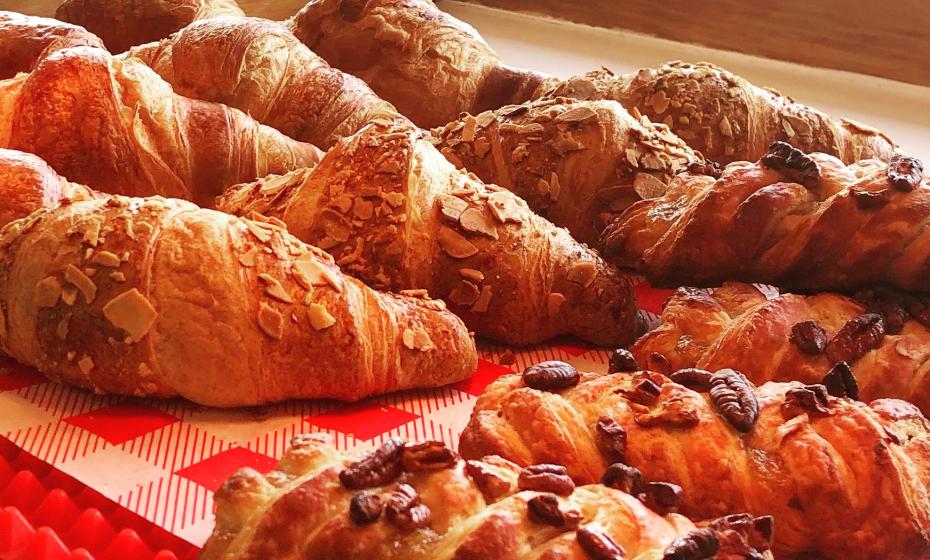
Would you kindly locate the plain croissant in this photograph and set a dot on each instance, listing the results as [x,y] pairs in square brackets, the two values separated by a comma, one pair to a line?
[396,214]
[25,40]
[419,501]
[116,126]
[842,478]
[157,297]
[806,222]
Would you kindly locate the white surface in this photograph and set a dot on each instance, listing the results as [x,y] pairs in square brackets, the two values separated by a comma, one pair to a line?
[564,49]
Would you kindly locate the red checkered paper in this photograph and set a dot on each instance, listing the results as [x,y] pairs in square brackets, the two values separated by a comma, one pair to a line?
[163,459]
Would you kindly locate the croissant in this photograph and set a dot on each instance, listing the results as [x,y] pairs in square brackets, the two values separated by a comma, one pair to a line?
[126,23]
[116,126]
[405,49]
[724,116]
[801,221]
[156,297]
[840,477]
[420,501]
[257,66]
[397,215]
[576,163]
[25,40]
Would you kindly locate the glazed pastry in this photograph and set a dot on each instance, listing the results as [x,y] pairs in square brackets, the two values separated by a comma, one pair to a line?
[576,163]
[125,23]
[842,478]
[25,40]
[30,184]
[419,501]
[725,117]
[257,66]
[399,216]
[156,297]
[430,65]
[882,336]
[116,126]
[799,221]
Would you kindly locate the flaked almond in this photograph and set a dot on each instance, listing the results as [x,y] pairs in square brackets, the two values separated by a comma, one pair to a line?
[363,209]
[270,321]
[106,258]
[394,199]
[659,102]
[417,339]
[338,231]
[90,271]
[555,187]
[504,207]
[320,317]
[247,259]
[132,312]
[477,221]
[583,273]
[308,271]
[484,300]
[343,203]
[465,293]
[451,206]
[542,186]
[910,348]
[86,365]
[274,288]
[455,245]
[69,294]
[48,291]
[258,231]
[408,339]
[554,303]
[481,147]
[82,282]
[725,128]
[576,114]
[117,276]
[471,274]
[62,329]
[468,131]
[92,232]
[647,186]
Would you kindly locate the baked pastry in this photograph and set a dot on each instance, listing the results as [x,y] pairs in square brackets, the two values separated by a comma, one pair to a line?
[405,49]
[25,40]
[419,501]
[576,163]
[257,66]
[841,477]
[30,184]
[800,221]
[725,117]
[882,336]
[156,297]
[399,216]
[125,23]
[116,126]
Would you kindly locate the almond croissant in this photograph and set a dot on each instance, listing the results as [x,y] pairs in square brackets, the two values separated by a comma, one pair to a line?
[396,214]
[25,40]
[806,222]
[419,501]
[117,127]
[840,477]
[156,297]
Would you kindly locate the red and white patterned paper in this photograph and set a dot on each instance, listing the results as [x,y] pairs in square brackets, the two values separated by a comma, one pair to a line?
[163,459]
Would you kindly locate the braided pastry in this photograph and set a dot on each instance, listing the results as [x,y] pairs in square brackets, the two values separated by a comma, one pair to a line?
[840,477]
[806,222]
[420,501]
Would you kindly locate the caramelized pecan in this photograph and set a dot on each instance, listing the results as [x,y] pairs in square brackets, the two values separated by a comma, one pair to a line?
[610,438]
[659,363]
[491,484]
[377,468]
[905,172]
[352,10]
[405,510]
[856,337]
[661,497]
[365,508]
[546,478]
[792,163]
[734,398]
[551,376]
[698,544]
[812,399]
[544,508]
[840,381]
[597,544]
[871,200]
[427,456]
[623,477]
[757,531]
[894,307]
[644,392]
[709,168]
[809,337]
[693,378]
[622,360]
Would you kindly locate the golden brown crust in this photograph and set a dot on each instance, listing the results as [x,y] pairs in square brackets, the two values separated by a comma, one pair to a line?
[848,480]
[725,117]
[30,184]
[301,510]
[576,163]
[25,40]
[148,296]
[430,65]
[395,213]
[259,67]
[845,227]
[126,23]
[116,126]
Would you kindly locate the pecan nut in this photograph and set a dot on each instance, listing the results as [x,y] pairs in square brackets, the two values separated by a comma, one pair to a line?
[792,163]
[871,200]
[812,399]
[377,468]
[598,545]
[661,497]
[841,382]
[551,376]
[809,337]
[698,544]
[365,508]
[894,307]
[622,360]
[905,172]
[544,508]
[405,510]
[610,438]
[693,378]
[427,456]
[645,392]
[546,478]
[733,397]
[856,337]
[756,531]
[709,168]
[659,363]
[491,484]
[624,478]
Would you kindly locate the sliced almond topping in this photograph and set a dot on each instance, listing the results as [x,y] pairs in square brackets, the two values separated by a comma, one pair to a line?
[259,232]
[481,147]
[274,288]
[363,209]
[86,364]
[132,312]
[647,186]
[471,274]
[395,199]
[468,131]
[576,114]
[48,290]
[659,102]
[70,356]
[117,276]
[910,348]
[504,207]
[62,329]
[69,294]
[451,206]
[343,202]
[338,231]
[247,259]
[92,232]
[554,187]
[82,282]
[465,293]
[542,186]
[422,341]
[417,293]
[555,303]
[725,127]
[310,272]
[455,245]
[319,317]
[484,300]
[106,258]
[90,271]
[477,221]
[583,273]
[270,321]
[408,339]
